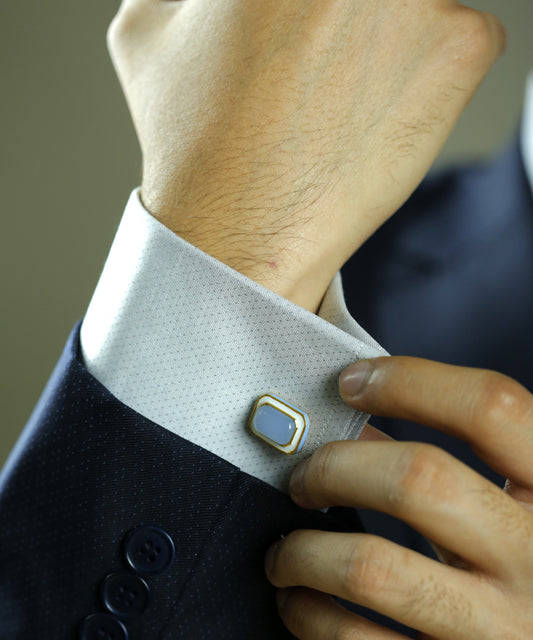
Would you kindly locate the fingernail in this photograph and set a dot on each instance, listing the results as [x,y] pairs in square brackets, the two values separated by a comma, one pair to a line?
[296,483]
[281,597]
[354,379]
[270,558]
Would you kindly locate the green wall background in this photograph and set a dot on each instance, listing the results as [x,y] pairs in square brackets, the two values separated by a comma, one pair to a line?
[70,159]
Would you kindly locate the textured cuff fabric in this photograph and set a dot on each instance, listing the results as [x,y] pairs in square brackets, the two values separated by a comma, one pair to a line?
[191,344]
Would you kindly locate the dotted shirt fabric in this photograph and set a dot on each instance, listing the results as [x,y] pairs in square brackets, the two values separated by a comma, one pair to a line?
[189,343]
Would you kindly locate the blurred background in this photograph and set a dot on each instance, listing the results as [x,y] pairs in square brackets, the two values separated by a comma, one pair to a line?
[70,159]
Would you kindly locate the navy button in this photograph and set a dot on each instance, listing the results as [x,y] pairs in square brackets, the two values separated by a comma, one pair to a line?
[149,550]
[102,626]
[125,594]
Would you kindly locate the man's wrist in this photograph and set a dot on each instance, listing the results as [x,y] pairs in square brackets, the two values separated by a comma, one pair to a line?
[283,262]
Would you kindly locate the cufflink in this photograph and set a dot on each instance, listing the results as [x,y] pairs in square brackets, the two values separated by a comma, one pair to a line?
[279,423]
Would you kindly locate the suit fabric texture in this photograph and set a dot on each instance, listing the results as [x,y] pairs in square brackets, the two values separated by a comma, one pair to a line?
[446,278]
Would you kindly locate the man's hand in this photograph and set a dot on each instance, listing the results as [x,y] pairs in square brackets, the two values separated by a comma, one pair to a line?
[279,135]
[485,589]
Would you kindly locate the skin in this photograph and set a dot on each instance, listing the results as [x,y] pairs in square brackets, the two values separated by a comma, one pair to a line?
[277,136]
[483,588]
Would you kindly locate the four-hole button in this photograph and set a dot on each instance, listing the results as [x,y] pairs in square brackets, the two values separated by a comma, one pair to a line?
[149,550]
[125,594]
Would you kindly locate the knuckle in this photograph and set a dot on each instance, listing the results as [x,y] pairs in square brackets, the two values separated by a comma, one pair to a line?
[500,399]
[121,26]
[478,36]
[111,34]
[369,570]
[423,472]
[115,32]
[498,32]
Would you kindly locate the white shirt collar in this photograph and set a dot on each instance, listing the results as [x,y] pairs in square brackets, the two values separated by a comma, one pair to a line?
[526,132]
[190,343]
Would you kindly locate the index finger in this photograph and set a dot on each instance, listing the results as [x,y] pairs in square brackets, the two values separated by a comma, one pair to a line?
[490,411]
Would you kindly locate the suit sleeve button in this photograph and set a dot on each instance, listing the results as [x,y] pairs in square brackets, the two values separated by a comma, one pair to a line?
[102,626]
[125,594]
[149,550]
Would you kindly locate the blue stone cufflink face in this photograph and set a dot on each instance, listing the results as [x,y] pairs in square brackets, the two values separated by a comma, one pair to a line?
[279,423]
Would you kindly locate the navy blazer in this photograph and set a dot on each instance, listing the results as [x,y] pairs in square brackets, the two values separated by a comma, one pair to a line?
[103,511]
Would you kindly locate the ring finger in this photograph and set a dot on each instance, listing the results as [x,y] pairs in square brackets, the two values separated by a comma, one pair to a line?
[376,573]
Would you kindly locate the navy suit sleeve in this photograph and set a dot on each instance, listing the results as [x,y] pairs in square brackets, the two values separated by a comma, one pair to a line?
[86,472]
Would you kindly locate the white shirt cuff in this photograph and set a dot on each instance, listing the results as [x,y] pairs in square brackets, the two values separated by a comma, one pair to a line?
[190,343]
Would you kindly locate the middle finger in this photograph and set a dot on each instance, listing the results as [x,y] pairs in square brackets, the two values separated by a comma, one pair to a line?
[425,487]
